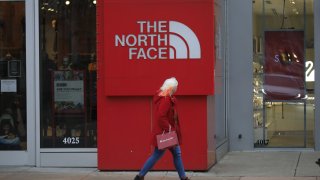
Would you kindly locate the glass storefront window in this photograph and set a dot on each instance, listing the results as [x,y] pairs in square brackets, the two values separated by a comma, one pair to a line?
[13,121]
[68,74]
[283,73]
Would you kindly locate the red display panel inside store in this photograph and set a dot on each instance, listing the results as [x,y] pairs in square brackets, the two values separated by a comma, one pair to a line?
[140,43]
[284,70]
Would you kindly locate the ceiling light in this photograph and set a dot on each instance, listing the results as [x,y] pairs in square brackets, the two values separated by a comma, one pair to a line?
[67,2]
[94,2]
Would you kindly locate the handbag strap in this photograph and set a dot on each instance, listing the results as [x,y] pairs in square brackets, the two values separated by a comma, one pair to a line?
[165,131]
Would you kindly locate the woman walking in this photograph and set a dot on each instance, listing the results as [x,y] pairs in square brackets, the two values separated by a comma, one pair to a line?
[166,118]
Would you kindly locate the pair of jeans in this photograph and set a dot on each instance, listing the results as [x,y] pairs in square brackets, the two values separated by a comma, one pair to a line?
[157,154]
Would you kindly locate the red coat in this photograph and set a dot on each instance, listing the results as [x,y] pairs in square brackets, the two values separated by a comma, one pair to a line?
[165,113]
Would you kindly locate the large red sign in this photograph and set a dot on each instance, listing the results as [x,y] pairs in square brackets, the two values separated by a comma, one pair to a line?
[147,41]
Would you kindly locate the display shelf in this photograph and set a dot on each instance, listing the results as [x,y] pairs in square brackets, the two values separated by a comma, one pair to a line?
[257,92]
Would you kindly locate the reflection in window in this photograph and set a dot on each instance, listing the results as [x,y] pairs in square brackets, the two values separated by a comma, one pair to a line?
[68,74]
[13,120]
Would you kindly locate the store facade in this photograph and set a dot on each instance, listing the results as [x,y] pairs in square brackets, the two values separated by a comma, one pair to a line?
[134,58]
[49,55]
[48,75]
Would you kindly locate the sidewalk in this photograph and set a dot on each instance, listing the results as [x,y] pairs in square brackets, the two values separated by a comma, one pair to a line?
[234,166]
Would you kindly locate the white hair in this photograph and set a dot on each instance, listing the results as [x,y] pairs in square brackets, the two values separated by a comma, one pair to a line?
[169,83]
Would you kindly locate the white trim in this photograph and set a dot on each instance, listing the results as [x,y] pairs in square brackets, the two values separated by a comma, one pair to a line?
[317,70]
[14,158]
[68,150]
[30,84]
[68,159]
[37,80]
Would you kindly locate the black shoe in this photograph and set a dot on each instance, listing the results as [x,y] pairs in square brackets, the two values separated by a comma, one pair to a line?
[186,178]
[318,162]
[138,178]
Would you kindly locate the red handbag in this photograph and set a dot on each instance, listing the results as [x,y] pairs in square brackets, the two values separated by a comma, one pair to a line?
[167,140]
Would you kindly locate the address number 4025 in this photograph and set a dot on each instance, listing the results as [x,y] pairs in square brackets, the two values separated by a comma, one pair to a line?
[71,140]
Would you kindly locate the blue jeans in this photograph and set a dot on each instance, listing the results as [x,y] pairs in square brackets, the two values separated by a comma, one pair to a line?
[157,154]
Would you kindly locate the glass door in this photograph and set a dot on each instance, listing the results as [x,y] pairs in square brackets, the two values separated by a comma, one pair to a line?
[15,94]
[68,74]
[283,73]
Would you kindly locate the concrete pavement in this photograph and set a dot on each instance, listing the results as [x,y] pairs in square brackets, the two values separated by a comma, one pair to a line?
[234,166]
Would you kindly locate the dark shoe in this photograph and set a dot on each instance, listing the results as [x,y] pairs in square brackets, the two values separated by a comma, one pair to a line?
[186,178]
[318,162]
[138,178]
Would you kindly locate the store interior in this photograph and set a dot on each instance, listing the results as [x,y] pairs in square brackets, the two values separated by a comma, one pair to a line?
[68,74]
[283,74]
[13,113]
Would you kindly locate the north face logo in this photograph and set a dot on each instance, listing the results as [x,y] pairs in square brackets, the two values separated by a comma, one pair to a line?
[161,40]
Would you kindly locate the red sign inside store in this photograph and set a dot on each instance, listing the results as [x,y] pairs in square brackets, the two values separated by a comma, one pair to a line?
[144,42]
[284,70]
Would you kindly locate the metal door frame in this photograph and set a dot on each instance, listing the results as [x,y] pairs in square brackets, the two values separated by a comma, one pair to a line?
[316,10]
[52,157]
[27,157]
